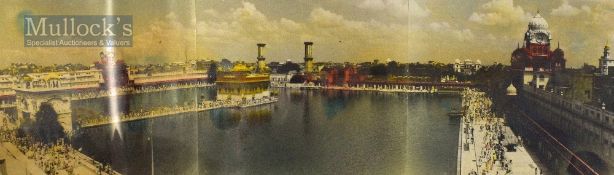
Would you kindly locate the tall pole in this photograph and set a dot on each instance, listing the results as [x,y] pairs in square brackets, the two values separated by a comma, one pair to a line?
[151,145]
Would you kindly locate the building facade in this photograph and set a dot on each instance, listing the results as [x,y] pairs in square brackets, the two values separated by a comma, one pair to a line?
[467,66]
[342,76]
[534,62]
[280,79]
[604,80]
[241,85]
[61,80]
[7,83]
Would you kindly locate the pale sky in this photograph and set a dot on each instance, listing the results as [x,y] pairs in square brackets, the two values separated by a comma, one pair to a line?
[342,30]
[491,29]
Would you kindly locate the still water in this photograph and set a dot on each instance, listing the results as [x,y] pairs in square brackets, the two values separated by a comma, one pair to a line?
[306,132]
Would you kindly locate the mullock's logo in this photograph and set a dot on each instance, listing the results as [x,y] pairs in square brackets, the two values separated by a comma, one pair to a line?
[77,31]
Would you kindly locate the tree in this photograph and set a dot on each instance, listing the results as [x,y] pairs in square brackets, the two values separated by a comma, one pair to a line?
[379,70]
[393,68]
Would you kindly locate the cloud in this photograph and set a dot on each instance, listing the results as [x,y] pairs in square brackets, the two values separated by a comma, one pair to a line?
[397,8]
[416,10]
[568,10]
[233,34]
[373,4]
[463,35]
[438,26]
[166,38]
[445,30]
[565,10]
[499,12]
[437,30]
[326,19]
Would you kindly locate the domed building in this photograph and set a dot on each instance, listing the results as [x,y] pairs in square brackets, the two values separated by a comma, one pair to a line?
[534,62]
[243,83]
[467,67]
[511,90]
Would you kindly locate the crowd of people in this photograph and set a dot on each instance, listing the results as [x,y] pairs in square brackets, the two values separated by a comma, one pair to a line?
[478,116]
[258,101]
[237,102]
[142,114]
[160,111]
[52,158]
[387,88]
[134,90]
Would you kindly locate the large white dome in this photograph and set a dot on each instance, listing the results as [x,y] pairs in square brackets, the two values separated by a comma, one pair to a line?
[538,23]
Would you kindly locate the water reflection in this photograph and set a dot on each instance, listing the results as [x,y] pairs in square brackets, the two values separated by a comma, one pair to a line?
[334,102]
[225,119]
[308,132]
[258,116]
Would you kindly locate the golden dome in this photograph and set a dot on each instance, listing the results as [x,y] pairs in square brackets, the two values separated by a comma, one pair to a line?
[239,67]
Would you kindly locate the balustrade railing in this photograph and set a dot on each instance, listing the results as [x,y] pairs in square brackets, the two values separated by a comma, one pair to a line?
[586,111]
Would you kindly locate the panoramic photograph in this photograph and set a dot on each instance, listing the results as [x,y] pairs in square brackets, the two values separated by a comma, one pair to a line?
[390,87]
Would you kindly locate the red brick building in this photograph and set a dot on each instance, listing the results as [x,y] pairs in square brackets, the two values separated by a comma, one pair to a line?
[534,62]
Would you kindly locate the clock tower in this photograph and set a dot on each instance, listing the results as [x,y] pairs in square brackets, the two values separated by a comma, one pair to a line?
[537,38]
[535,63]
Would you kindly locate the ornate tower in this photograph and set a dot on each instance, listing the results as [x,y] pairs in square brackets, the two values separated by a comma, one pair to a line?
[308,57]
[537,38]
[605,62]
[557,59]
[534,63]
[261,63]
